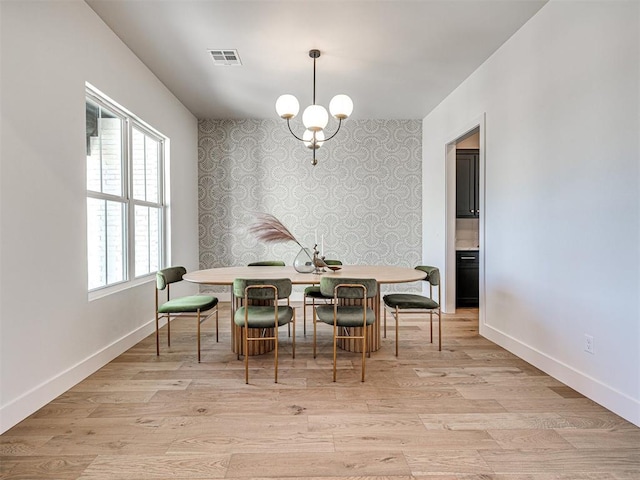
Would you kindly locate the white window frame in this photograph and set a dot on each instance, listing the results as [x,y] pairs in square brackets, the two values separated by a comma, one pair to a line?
[129,122]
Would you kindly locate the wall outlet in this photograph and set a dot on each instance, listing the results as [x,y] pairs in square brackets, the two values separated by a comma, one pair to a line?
[588,343]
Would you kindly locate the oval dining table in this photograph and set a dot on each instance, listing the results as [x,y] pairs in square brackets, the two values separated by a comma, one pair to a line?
[383,274]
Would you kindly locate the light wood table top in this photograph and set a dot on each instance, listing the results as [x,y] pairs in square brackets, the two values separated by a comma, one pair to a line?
[382,274]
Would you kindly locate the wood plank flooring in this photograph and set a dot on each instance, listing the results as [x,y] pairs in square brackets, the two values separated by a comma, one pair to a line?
[471,411]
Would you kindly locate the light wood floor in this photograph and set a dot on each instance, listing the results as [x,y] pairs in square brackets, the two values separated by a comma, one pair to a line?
[472,411]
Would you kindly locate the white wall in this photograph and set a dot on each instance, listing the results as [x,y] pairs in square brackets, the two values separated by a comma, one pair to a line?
[51,335]
[561,210]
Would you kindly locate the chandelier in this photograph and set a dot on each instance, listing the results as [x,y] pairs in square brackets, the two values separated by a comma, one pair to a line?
[314,117]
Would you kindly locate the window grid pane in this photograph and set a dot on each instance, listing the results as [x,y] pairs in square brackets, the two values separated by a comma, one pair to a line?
[152,162]
[147,239]
[138,163]
[145,164]
[104,150]
[105,242]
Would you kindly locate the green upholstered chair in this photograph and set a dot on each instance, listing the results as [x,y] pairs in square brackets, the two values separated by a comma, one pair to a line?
[271,263]
[412,303]
[267,263]
[313,292]
[349,310]
[191,306]
[260,310]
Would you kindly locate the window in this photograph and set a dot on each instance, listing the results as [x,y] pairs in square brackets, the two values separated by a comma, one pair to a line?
[125,205]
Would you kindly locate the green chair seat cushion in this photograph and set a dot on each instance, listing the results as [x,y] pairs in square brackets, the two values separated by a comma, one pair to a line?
[348,316]
[409,301]
[263,316]
[314,291]
[191,303]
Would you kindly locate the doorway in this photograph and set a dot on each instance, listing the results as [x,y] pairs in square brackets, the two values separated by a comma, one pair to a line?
[465,238]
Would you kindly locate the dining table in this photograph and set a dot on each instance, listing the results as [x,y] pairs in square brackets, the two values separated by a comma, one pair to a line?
[383,274]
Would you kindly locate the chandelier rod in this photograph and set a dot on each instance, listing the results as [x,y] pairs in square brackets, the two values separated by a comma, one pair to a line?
[314,54]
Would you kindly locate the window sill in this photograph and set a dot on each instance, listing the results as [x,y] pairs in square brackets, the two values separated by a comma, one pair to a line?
[113,289]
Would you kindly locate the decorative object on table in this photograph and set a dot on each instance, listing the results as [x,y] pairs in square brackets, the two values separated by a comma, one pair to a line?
[318,261]
[271,230]
[314,117]
[303,262]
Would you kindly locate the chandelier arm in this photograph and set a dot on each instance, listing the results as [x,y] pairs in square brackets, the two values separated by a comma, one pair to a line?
[289,125]
[336,132]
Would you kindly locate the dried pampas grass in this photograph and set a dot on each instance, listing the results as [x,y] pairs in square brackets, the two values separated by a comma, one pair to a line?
[271,230]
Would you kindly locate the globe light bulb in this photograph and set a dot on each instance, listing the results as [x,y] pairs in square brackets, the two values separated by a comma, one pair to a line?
[341,106]
[315,117]
[310,141]
[287,106]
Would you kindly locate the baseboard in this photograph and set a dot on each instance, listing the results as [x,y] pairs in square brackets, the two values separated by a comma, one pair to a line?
[28,403]
[619,403]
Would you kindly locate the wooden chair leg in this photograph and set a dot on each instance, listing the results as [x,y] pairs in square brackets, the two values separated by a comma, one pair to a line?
[246,355]
[385,322]
[335,351]
[439,330]
[217,338]
[431,324]
[304,315]
[364,350]
[293,343]
[168,330]
[314,332]
[397,328]
[157,335]
[276,353]
[198,320]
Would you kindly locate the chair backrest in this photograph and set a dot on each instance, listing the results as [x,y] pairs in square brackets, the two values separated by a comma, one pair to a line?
[267,263]
[328,286]
[433,274]
[282,284]
[169,275]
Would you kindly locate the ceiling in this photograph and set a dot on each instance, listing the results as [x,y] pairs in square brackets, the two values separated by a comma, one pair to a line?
[397,59]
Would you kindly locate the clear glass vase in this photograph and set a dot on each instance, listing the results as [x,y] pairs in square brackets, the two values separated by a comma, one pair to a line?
[303,262]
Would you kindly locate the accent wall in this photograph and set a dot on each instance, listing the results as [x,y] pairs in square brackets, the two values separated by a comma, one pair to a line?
[361,202]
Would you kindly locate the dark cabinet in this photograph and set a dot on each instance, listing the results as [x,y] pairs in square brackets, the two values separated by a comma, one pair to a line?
[467,278]
[467,183]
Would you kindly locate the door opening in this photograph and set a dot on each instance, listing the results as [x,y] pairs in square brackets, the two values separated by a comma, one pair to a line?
[464,263]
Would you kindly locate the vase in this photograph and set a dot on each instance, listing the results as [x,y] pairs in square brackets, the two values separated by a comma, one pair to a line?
[303,263]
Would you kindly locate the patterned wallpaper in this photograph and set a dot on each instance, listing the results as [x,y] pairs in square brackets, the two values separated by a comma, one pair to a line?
[363,198]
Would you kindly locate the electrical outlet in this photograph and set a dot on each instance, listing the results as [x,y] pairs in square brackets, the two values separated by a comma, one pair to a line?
[588,344]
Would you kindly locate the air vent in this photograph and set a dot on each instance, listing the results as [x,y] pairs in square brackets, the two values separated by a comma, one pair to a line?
[225,58]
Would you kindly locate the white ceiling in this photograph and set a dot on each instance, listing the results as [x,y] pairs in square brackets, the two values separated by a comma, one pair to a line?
[397,59]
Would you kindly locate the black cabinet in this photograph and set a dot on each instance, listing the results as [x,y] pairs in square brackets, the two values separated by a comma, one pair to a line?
[467,278]
[467,183]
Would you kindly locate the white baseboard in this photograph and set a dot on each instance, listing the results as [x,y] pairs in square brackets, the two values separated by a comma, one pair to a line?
[618,402]
[28,403]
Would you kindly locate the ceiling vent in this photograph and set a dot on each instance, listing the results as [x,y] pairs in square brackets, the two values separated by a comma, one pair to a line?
[225,58]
